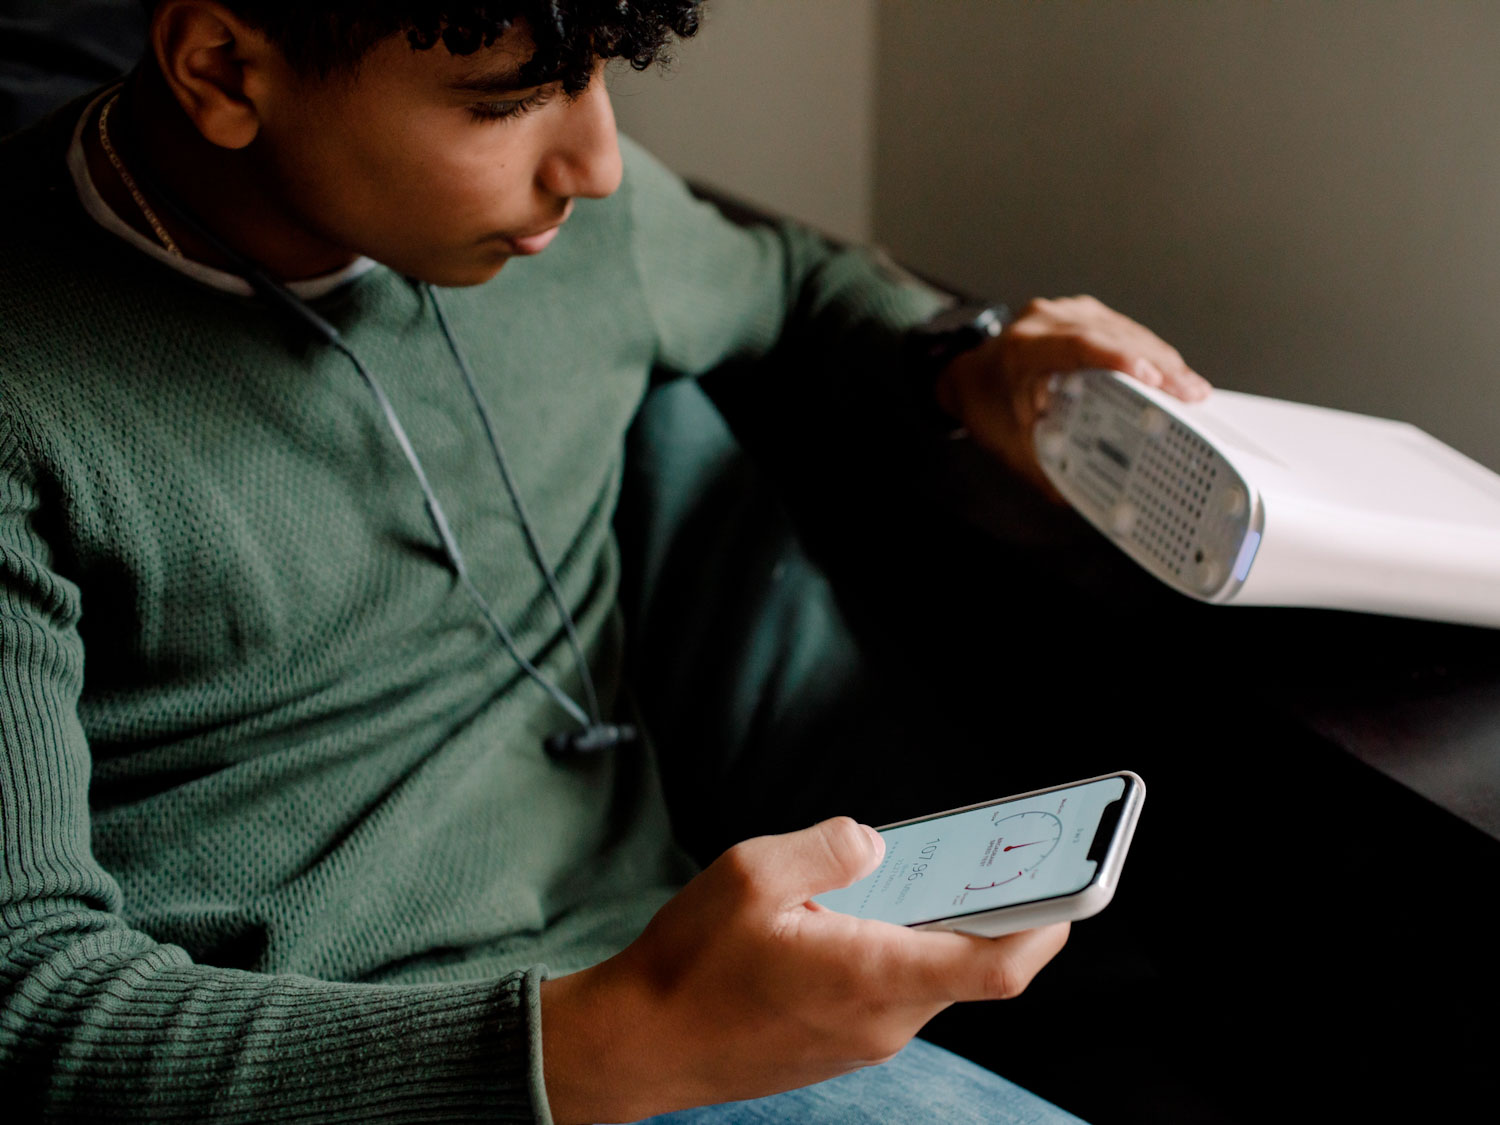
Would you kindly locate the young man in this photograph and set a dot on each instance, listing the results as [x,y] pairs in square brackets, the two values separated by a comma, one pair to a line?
[283,648]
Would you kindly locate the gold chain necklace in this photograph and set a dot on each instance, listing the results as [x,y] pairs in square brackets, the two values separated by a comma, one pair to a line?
[129,181]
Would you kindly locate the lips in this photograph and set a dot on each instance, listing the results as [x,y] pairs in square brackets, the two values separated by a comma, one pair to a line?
[538,240]
[533,243]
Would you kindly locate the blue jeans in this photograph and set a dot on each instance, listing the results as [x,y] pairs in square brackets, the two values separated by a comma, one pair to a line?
[923,1083]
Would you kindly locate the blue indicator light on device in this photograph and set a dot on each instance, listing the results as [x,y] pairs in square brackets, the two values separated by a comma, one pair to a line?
[1247,555]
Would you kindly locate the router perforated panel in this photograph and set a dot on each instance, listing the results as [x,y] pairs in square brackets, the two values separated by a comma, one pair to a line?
[1162,493]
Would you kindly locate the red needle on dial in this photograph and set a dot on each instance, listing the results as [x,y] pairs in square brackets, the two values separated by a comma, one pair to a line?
[996,883]
[1013,847]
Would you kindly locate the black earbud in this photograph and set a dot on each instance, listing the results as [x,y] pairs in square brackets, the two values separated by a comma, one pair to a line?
[591,740]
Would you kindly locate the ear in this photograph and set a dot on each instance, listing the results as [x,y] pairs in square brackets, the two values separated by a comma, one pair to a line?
[219,68]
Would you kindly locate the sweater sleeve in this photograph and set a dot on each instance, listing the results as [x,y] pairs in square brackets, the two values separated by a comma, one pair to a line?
[719,292]
[98,1022]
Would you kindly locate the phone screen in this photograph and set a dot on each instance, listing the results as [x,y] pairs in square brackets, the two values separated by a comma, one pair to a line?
[1006,852]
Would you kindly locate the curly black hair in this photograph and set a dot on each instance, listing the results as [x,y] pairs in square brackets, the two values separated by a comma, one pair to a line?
[569,35]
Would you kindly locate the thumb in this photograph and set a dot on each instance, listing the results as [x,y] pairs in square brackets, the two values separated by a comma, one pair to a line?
[825,857]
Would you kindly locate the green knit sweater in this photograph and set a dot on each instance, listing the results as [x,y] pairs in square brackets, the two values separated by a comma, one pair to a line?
[278,837]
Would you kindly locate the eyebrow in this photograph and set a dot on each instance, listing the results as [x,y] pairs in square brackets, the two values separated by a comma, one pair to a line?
[506,81]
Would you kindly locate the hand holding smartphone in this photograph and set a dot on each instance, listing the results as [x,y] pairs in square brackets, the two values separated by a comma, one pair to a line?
[1052,855]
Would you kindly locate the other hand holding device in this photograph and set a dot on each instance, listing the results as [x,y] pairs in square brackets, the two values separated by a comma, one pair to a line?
[999,389]
[1052,855]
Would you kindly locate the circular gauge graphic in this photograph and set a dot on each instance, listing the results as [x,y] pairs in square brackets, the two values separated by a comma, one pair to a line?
[1025,840]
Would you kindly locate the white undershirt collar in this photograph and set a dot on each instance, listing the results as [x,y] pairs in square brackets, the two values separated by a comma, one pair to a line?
[100,211]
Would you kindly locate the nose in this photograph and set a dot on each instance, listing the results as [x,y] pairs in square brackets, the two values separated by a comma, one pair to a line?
[584,157]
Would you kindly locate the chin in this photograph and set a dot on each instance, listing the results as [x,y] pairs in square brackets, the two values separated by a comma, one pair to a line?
[456,275]
[478,275]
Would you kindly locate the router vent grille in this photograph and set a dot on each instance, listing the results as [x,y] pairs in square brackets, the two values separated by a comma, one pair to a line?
[1174,479]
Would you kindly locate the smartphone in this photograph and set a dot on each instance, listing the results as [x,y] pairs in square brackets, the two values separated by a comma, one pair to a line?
[1053,855]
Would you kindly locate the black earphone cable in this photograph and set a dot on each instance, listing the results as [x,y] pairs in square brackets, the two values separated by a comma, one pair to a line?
[455,556]
[594,733]
[527,527]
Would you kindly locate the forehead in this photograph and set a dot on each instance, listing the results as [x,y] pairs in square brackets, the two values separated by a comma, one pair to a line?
[499,68]
[496,69]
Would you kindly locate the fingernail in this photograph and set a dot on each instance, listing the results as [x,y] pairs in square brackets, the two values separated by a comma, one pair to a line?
[875,838]
[1148,373]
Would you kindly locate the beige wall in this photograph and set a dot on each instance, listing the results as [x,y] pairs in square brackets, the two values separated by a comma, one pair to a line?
[774,101]
[1305,197]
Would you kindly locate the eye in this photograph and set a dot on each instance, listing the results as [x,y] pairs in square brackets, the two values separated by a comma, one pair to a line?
[511,107]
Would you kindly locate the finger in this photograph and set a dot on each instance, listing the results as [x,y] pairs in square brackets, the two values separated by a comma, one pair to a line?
[833,854]
[1147,372]
[1041,355]
[1186,384]
[1173,377]
[1030,398]
[948,967]
[1041,397]
[1090,319]
[1148,360]
[1176,377]
[1008,433]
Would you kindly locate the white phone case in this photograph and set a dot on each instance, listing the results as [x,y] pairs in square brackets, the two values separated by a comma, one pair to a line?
[1062,908]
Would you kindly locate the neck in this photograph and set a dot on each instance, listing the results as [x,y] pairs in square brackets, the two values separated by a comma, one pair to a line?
[227,190]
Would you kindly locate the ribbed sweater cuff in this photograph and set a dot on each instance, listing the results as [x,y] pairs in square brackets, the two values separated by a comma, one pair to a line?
[160,1043]
[536,1083]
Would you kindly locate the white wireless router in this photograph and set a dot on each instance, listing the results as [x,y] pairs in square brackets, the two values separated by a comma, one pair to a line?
[1243,500]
